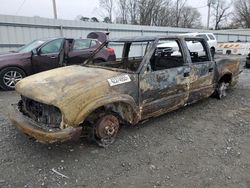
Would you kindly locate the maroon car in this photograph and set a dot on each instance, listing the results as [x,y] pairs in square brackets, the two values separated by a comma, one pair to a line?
[42,55]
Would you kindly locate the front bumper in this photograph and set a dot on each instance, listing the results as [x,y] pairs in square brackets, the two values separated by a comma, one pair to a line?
[31,128]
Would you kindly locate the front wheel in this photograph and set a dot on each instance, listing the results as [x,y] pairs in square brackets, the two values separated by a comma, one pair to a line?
[106,129]
[221,90]
[9,76]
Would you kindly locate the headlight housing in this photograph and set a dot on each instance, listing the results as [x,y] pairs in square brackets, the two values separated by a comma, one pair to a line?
[46,116]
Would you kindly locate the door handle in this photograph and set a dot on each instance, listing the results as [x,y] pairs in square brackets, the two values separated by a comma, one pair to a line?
[186,74]
[53,57]
[210,69]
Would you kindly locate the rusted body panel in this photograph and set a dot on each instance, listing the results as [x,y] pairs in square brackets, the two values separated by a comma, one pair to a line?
[228,66]
[77,91]
[163,91]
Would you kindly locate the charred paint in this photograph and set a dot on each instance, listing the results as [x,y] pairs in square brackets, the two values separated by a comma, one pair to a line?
[77,92]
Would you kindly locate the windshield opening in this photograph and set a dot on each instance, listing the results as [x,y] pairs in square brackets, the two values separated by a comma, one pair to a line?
[30,46]
[129,55]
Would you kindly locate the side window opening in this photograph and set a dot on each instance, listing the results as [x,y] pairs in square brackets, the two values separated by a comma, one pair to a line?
[129,54]
[52,47]
[211,37]
[93,43]
[198,50]
[80,44]
[132,54]
[167,55]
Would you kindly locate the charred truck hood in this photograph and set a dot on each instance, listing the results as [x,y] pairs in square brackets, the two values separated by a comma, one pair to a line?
[70,88]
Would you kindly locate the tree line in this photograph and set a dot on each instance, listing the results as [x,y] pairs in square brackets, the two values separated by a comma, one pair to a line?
[174,13]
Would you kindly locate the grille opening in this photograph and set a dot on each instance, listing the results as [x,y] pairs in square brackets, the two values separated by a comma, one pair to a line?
[47,116]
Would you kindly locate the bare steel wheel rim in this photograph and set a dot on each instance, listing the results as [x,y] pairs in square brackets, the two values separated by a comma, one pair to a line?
[222,89]
[10,78]
[106,130]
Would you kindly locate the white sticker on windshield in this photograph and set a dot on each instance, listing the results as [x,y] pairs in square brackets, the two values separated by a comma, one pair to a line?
[119,80]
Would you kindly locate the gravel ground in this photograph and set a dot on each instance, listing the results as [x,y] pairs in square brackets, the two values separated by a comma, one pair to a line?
[203,145]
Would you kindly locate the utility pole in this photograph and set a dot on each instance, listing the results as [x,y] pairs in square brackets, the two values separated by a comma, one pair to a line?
[54,8]
[177,13]
[208,14]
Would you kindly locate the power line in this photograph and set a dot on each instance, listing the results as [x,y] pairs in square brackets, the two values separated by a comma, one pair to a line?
[19,8]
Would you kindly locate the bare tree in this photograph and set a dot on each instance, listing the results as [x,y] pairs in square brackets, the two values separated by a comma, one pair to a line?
[179,5]
[86,19]
[190,18]
[107,20]
[108,6]
[242,13]
[149,10]
[220,12]
[94,19]
[133,8]
[146,11]
[123,7]
[163,14]
[153,12]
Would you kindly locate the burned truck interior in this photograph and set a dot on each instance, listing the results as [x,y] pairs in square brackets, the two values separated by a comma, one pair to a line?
[129,55]
[164,53]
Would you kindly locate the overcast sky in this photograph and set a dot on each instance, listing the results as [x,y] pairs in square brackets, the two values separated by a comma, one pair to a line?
[69,9]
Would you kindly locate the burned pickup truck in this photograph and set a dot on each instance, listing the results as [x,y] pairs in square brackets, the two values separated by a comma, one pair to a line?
[144,81]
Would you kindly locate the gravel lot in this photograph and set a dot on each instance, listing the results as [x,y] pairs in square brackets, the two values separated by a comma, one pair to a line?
[203,145]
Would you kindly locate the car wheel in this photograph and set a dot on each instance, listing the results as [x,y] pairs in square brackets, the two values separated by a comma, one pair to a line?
[221,90]
[10,76]
[106,129]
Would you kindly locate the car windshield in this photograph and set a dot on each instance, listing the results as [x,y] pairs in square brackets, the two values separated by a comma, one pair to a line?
[30,46]
[129,55]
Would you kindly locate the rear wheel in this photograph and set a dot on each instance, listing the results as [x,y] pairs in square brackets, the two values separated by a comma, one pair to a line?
[221,90]
[106,129]
[9,76]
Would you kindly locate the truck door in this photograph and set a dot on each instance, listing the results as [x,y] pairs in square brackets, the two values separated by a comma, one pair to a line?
[80,51]
[202,72]
[48,56]
[164,85]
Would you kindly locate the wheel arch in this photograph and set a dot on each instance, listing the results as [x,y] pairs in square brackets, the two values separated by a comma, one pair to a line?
[14,66]
[227,77]
[123,105]
[100,59]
